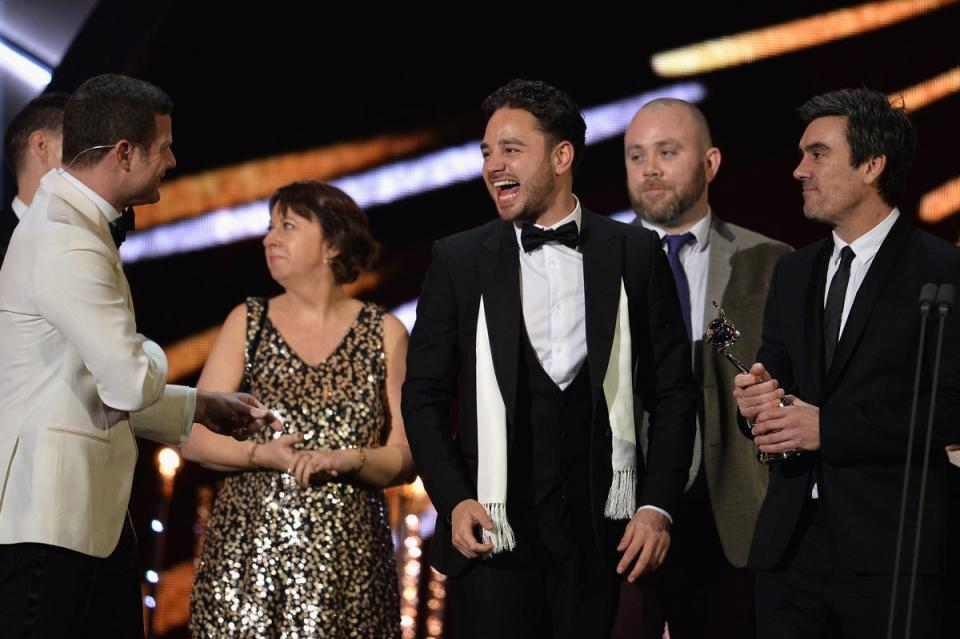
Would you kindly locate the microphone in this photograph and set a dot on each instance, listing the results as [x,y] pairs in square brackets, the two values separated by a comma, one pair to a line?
[928,295]
[945,296]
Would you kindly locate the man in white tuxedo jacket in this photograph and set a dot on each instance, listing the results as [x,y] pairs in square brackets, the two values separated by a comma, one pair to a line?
[78,382]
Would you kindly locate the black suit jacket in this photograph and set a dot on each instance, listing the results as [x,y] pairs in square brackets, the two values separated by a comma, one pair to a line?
[864,400]
[485,261]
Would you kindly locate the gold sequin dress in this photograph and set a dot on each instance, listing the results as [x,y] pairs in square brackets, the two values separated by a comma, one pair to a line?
[285,561]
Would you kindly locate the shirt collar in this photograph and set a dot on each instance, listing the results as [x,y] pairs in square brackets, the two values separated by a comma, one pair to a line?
[19,207]
[700,230]
[866,246]
[576,216]
[105,207]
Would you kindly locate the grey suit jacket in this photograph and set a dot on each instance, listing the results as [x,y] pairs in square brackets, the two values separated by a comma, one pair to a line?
[740,266]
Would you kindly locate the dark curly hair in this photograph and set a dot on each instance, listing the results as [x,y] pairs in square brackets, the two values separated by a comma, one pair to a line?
[556,113]
[875,127]
[343,223]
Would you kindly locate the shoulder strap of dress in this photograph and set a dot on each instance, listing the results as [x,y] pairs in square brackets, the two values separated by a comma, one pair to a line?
[253,304]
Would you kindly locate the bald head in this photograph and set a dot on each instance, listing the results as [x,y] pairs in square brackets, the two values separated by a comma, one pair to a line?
[670,160]
[694,117]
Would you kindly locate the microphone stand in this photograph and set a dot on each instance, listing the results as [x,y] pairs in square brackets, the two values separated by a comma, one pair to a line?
[927,295]
[945,296]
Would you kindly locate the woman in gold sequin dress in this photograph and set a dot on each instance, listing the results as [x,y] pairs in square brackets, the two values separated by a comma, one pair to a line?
[298,544]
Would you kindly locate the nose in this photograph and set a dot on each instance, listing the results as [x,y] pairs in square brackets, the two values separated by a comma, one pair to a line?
[650,167]
[270,239]
[172,162]
[801,172]
[493,163]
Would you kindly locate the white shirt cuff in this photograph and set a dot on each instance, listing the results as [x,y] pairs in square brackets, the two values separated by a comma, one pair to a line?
[659,510]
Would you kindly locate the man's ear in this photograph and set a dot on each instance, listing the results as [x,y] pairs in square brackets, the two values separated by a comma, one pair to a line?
[563,157]
[872,168]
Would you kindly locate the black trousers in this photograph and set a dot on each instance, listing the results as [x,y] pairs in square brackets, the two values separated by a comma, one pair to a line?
[48,592]
[552,585]
[697,592]
[811,595]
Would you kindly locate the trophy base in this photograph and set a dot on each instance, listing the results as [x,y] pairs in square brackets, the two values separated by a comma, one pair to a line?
[776,458]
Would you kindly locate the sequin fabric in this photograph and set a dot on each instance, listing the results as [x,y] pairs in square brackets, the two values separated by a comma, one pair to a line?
[284,561]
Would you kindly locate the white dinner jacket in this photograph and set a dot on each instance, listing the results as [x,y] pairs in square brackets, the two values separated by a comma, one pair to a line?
[77,381]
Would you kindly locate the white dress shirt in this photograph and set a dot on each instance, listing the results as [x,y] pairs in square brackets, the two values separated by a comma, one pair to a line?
[864,249]
[695,258]
[551,285]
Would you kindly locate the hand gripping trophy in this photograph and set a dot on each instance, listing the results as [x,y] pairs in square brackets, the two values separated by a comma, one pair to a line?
[722,333]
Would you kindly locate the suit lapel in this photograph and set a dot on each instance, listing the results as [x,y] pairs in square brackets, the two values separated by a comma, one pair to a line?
[813,319]
[722,249]
[602,258]
[500,287]
[866,298]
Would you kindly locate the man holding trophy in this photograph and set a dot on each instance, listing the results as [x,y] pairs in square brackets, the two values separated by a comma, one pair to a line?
[832,387]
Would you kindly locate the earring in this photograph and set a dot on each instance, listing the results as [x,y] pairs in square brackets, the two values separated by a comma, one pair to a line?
[328,260]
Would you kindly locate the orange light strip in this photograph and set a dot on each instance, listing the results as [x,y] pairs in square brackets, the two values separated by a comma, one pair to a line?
[191,195]
[767,42]
[922,94]
[189,354]
[940,203]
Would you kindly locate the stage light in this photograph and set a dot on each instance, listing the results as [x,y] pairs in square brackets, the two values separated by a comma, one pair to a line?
[31,71]
[767,42]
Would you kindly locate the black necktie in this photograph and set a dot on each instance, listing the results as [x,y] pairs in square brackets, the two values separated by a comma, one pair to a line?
[533,237]
[833,311]
[120,226]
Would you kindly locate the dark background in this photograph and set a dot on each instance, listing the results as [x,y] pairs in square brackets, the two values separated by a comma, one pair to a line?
[250,81]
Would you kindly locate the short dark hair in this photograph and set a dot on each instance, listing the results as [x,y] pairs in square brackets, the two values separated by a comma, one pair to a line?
[557,115]
[44,113]
[344,224]
[107,109]
[875,127]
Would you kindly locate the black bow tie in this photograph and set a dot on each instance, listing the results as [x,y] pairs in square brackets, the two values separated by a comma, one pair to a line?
[533,237]
[120,226]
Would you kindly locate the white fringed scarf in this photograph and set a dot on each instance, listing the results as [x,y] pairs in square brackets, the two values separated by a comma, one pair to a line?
[492,431]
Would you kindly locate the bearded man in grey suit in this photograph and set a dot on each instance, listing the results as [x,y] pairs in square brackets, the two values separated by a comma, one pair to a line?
[703,589]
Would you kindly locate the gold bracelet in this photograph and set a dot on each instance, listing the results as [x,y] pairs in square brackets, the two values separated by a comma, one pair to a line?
[253,449]
[363,461]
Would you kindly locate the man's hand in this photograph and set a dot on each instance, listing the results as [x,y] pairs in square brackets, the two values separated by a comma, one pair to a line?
[466,516]
[236,414]
[646,539]
[793,427]
[756,392]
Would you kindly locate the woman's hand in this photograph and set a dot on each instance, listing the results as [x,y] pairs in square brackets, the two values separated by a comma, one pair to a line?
[324,464]
[278,453]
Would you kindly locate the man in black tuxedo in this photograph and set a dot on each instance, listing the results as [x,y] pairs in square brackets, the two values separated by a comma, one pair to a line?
[841,326]
[552,318]
[31,147]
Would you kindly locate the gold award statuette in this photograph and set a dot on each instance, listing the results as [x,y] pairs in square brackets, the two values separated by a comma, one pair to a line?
[722,333]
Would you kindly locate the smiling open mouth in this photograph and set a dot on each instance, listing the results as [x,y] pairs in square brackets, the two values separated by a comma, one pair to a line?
[506,189]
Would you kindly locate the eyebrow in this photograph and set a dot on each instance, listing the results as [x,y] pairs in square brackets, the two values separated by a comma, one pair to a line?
[658,144]
[815,146]
[503,142]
